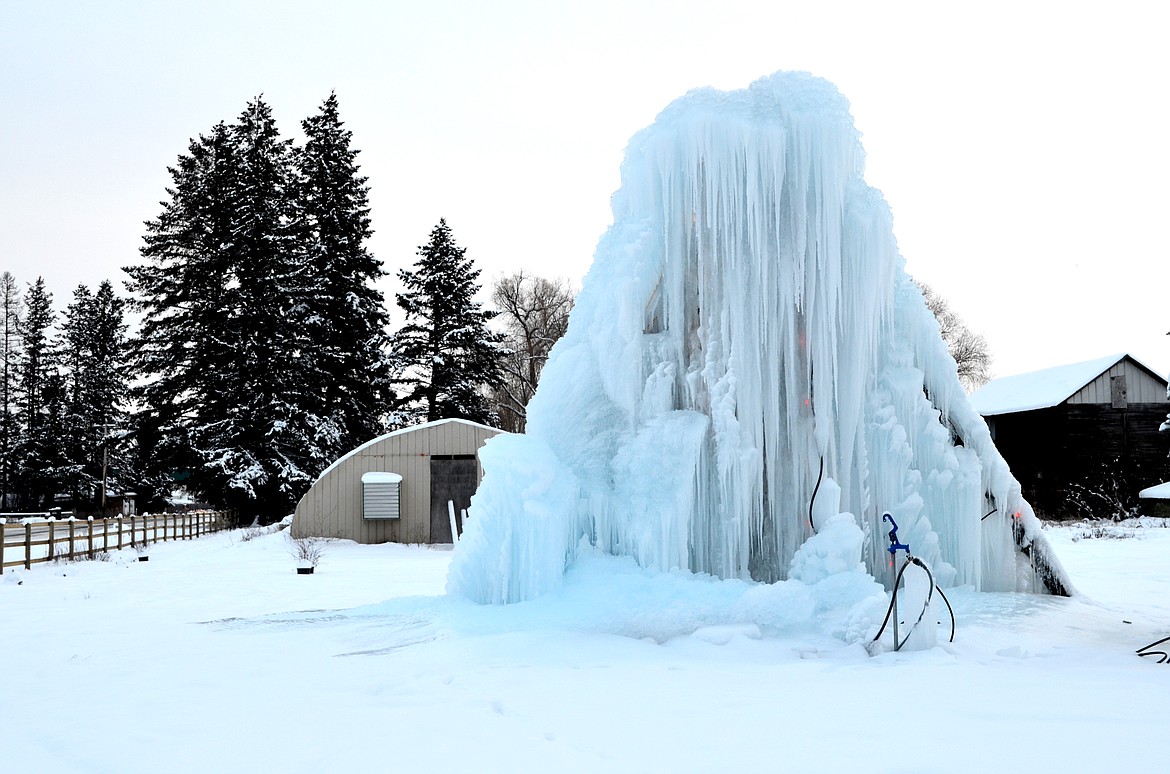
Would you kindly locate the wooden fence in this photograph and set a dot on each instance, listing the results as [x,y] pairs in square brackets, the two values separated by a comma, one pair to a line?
[23,545]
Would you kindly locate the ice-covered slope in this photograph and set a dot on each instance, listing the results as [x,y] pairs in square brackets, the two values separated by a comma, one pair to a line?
[747,360]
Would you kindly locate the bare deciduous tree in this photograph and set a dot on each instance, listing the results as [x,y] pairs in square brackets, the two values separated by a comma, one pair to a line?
[534,313]
[969,349]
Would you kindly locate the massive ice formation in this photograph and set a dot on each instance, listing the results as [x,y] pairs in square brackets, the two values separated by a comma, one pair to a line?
[747,361]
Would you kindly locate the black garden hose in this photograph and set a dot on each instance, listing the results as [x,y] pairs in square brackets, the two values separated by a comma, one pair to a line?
[933,586]
[813,499]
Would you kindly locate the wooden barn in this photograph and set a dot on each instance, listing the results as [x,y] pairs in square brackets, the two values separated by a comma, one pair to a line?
[1080,428]
[396,487]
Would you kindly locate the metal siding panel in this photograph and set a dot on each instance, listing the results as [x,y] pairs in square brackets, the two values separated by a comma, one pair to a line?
[418,530]
[347,507]
[320,499]
[1091,392]
[370,462]
[1144,388]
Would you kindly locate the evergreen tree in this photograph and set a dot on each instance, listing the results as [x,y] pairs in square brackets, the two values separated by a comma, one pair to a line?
[225,331]
[281,437]
[346,317]
[38,401]
[10,314]
[445,355]
[186,341]
[93,353]
[81,437]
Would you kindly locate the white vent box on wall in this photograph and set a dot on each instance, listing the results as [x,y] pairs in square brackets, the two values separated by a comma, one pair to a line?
[380,495]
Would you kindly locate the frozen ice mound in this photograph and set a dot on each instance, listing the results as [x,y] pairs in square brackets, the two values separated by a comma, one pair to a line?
[747,361]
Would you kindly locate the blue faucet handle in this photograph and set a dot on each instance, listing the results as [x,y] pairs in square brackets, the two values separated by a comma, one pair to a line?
[895,546]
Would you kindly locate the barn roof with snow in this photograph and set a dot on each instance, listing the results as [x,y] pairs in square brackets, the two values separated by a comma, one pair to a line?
[1048,387]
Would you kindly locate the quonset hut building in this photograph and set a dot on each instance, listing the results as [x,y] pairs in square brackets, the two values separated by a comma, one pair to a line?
[396,487]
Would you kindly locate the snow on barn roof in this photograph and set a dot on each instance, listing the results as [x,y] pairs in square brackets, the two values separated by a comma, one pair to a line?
[1040,389]
[1158,492]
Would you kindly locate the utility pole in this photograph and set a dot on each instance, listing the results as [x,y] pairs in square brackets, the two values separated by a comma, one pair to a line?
[105,462]
[105,467]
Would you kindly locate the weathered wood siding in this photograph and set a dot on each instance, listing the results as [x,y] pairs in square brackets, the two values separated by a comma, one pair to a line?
[333,505]
[1141,386]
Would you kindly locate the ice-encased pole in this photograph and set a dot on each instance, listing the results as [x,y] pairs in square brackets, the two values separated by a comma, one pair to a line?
[748,329]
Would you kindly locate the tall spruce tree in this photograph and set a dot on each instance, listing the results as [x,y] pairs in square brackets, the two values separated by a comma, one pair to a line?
[81,436]
[39,451]
[11,307]
[266,453]
[93,354]
[182,289]
[445,355]
[346,318]
[225,333]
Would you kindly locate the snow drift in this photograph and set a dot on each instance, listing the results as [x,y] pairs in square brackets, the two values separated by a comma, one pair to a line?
[750,379]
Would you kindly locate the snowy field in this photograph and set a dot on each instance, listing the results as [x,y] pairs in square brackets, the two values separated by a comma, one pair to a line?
[215,656]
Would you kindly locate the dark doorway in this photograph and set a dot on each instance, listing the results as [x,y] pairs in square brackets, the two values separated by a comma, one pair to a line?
[453,478]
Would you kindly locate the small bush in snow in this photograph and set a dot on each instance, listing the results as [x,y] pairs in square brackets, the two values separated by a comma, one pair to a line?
[1102,531]
[251,533]
[256,531]
[307,551]
[61,556]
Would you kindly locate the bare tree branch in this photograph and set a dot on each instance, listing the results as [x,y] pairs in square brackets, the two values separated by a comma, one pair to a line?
[534,313]
[969,349]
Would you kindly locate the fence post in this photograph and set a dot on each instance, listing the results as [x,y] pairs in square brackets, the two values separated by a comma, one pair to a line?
[105,536]
[119,534]
[3,538]
[89,539]
[52,531]
[27,546]
[72,526]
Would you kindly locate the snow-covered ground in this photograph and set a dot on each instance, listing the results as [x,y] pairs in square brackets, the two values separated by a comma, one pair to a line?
[215,656]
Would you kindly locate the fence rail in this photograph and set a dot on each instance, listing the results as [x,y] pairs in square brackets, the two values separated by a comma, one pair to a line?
[43,541]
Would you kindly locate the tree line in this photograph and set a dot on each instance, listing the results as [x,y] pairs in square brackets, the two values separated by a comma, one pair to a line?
[263,351]
[61,391]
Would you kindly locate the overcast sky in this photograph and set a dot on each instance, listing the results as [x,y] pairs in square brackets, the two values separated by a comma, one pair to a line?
[1022,146]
